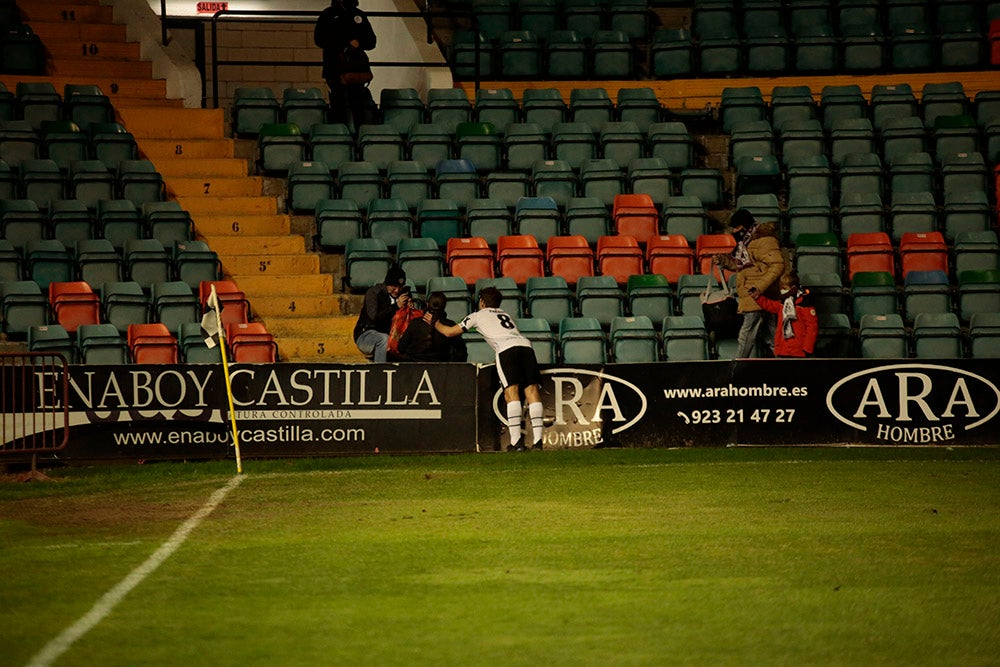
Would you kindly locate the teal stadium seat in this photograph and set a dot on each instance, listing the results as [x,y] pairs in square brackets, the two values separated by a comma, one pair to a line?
[332,144]
[549,298]
[252,107]
[194,263]
[984,336]
[497,106]
[124,303]
[582,341]
[23,305]
[421,259]
[650,294]
[883,337]
[685,338]
[634,340]
[51,339]
[600,297]
[543,339]
[102,344]
[97,262]
[304,107]
[367,260]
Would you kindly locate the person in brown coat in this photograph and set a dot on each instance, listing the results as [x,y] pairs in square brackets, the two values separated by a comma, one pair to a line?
[758,263]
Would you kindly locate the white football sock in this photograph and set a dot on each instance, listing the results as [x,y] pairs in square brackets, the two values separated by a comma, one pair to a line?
[514,412]
[535,412]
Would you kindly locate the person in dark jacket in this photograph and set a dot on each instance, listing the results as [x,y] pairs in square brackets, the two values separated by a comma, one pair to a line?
[423,342]
[341,29]
[371,333]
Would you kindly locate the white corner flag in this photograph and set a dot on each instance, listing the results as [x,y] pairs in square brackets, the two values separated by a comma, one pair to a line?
[211,322]
[212,318]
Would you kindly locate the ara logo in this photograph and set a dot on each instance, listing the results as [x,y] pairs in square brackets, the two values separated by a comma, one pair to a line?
[914,403]
[582,406]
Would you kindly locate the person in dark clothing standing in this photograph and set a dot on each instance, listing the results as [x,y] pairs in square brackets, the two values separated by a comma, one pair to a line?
[341,29]
[371,333]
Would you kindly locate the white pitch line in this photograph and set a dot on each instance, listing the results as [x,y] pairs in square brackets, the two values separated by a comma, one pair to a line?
[103,607]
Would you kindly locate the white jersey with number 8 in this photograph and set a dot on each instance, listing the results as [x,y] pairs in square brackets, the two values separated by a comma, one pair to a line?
[497,329]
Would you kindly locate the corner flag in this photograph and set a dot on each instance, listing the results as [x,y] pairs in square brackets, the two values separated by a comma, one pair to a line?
[212,319]
[211,322]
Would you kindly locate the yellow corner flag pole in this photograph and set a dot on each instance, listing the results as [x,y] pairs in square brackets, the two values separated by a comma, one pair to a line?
[213,301]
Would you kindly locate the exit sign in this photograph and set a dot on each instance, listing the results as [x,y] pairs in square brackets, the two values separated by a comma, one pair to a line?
[212,7]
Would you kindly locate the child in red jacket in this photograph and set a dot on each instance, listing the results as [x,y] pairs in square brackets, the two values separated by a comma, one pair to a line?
[798,325]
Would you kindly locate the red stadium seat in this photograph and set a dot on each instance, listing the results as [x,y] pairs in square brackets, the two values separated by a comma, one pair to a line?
[570,257]
[870,251]
[251,342]
[520,258]
[470,259]
[708,245]
[232,301]
[152,344]
[619,256]
[670,255]
[73,304]
[636,215]
[923,251]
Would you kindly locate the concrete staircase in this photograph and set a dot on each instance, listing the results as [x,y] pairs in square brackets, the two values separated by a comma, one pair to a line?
[284,283]
[283,280]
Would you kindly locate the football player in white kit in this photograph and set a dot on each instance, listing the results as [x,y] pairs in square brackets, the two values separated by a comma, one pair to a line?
[516,364]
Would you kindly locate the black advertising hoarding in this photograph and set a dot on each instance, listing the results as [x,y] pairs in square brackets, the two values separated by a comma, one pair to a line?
[171,412]
[138,412]
[761,402]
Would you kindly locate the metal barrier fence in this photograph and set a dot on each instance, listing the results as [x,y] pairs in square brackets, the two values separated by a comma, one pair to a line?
[34,397]
[296,16]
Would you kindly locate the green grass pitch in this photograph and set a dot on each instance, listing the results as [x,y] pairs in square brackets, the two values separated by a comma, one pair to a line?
[606,557]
